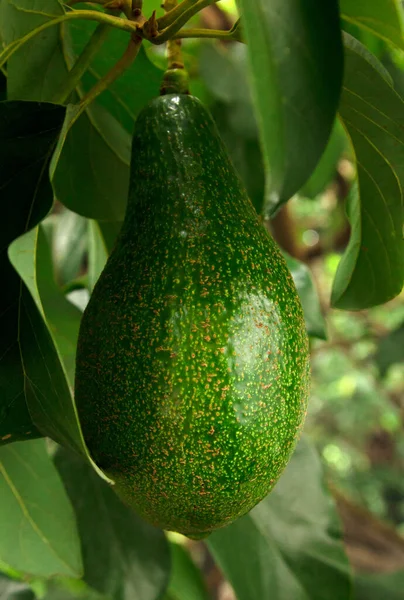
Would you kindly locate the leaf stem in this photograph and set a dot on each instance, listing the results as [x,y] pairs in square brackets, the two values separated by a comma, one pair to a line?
[234,34]
[170,31]
[91,15]
[185,6]
[82,63]
[174,54]
[123,63]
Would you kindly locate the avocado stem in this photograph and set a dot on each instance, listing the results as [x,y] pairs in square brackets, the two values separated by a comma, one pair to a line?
[174,54]
[175,78]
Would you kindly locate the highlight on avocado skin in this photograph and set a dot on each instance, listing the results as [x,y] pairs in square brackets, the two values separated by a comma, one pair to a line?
[192,367]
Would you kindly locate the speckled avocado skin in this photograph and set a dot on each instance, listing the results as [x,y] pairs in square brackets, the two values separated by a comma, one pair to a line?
[192,366]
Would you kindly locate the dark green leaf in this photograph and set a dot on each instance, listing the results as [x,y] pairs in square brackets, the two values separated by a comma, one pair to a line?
[70,589]
[37,70]
[315,322]
[290,545]
[225,75]
[91,177]
[37,523]
[31,256]
[296,63]
[28,132]
[97,253]
[48,391]
[381,17]
[136,86]
[124,557]
[327,167]
[109,231]
[381,586]
[90,171]
[186,581]
[3,85]
[371,271]
[390,350]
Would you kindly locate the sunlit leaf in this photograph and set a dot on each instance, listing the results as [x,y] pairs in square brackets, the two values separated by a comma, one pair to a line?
[37,523]
[296,63]
[371,271]
[124,557]
[290,545]
[381,17]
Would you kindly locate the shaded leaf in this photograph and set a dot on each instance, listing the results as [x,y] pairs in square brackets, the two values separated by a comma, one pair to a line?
[90,170]
[31,257]
[124,557]
[97,253]
[327,167]
[225,75]
[290,545]
[39,534]
[110,231]
[133,89]
[371,271]
[48,391]
[296,63]
[186,581]
[390,350]
[381,17]
[70,589]
[28,132]
[386,586]
[92,174]
[37,70]
[314,319]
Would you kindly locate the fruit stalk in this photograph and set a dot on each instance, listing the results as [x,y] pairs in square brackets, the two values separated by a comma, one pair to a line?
[175,78]
[185,7]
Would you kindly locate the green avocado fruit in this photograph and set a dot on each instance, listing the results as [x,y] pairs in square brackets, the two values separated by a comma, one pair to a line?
[192,366]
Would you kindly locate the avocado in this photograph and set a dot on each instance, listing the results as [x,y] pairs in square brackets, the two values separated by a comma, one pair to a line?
[192,365]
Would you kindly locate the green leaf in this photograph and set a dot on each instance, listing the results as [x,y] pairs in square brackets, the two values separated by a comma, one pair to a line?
[186,581]
[69,244]
[97,253]
[90,168]
[47,388]
[390,350]
[31,257]
[134,88]
[28,132]
[381,17]
[3,85]
[124,557]
[296,63]
[290,545]
[70,589]
[314,319]
[92,164]
[36,71]
[388,586]
[371,271]
[327,167]
[225,75]
[39,534]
